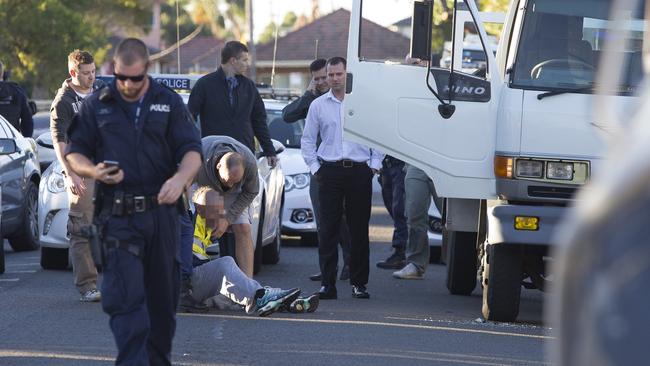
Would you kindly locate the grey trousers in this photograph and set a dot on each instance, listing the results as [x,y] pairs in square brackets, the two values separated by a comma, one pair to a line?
[419,190]
[79,216]
[223,276]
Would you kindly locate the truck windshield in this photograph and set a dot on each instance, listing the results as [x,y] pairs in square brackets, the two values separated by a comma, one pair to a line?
[561,43]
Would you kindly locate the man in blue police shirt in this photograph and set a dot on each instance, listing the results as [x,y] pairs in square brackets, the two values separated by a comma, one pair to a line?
[145,128]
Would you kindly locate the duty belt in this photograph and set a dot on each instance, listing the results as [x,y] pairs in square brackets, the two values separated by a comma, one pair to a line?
[345,163]
[122,204]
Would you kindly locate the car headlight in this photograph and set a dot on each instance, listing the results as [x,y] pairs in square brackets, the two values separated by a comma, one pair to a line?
[530,169]
[55,183]
[297,181]
[288,183]
[559,170]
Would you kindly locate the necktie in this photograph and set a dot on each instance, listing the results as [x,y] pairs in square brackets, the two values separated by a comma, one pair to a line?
[232,84]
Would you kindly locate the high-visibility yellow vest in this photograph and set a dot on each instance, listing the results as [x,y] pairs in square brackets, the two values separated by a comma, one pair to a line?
[202,240]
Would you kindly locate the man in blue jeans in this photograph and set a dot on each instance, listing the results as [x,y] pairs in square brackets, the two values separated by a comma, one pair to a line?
[392,191]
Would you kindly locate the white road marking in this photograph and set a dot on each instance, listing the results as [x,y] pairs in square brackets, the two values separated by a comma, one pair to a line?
[23,264]
[384,324]
[23,271]
[9,279]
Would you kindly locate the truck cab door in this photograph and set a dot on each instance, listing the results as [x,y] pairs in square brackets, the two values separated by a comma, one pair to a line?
[389,106]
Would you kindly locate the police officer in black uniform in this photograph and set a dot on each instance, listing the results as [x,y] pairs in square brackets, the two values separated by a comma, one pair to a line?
[136,138]
[14,106]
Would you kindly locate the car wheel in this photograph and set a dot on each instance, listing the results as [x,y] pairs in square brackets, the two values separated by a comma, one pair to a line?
[271,252]
[257,255]
[54,258]
[309,240]
[2,256]
[27,236]
[435,254]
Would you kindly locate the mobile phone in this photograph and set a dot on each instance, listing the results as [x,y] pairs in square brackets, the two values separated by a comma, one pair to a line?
[112,163]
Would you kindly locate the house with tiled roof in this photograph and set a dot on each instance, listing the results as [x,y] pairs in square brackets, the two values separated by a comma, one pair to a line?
[199,55]
[325,37]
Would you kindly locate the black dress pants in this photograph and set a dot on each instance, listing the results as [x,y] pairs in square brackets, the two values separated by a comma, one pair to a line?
[350,189]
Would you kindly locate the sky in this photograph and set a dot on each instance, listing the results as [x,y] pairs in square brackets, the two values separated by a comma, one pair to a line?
[384,12]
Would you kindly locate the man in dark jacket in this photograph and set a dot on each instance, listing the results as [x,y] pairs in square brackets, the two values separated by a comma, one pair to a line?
[297,110]
[318,86]
[14,107]
[228,103]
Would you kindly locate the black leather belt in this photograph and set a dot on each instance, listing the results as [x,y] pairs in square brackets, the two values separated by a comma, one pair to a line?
[127,204]
[343,163]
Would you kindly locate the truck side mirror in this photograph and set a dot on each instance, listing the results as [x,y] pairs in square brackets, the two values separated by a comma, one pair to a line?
[422,21]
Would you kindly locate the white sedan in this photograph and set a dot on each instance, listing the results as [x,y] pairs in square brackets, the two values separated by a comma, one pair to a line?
[298,215]
[267,209]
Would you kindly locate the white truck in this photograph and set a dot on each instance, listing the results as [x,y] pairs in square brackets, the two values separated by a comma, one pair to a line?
[509,147]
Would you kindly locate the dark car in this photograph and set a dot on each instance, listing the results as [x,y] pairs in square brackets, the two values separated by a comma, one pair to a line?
[19,178]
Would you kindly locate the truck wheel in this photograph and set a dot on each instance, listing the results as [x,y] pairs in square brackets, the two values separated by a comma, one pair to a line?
[461,262]
[54,258]
[502,275]
[26,238]
[257,255]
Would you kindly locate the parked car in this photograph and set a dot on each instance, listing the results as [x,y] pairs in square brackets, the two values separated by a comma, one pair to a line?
[267,206]
[298,216]
[19,178]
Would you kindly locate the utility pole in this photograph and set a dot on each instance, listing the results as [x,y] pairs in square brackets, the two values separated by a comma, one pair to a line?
[251,40]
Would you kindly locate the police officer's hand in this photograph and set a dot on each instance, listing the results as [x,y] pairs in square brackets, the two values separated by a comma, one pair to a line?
[108,174]
[75,183]
[171,190]
[272,161]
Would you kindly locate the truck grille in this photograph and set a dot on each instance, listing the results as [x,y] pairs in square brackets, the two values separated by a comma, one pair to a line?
[552,192]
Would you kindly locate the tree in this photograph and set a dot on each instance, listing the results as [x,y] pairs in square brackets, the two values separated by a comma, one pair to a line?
[37,35]
[168,21]
[225,18]
[287,25]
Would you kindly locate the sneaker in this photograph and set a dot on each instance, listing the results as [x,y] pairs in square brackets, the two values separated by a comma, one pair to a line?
[304,304]
[397,260]
[92,295]
[274,298]
[409,272]
[360,292]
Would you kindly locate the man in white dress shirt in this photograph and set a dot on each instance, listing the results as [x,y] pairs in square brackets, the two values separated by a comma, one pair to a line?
[344,171]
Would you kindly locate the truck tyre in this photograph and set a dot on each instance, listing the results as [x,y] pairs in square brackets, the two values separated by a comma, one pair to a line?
[259,243]
[26,238]
[54,258]
[461,262]
[502,276]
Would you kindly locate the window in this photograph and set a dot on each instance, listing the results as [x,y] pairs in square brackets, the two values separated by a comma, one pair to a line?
[289,134]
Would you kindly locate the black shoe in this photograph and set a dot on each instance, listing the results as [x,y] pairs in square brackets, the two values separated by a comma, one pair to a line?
[397,260]
[187,304]
[360,292]
[345,273]
[316,277]
[327,293]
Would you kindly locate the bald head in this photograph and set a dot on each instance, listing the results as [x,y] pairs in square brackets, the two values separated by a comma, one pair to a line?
[230,169]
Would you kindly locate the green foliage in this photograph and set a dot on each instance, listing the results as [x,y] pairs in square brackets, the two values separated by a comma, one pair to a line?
[37,35]
[286,26]
[168,21]
[225,18]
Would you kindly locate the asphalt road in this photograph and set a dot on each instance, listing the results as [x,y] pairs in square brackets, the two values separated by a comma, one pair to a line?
[404,322]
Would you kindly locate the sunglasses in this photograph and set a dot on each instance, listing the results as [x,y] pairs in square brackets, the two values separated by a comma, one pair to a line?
[137,78]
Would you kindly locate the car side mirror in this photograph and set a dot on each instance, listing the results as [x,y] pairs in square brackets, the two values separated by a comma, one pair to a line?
[422,22]
[8,146]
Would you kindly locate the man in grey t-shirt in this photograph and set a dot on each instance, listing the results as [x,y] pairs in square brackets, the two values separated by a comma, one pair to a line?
[230,168]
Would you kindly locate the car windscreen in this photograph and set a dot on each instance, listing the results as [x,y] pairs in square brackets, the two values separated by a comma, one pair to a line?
[562,42]
[288,134]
